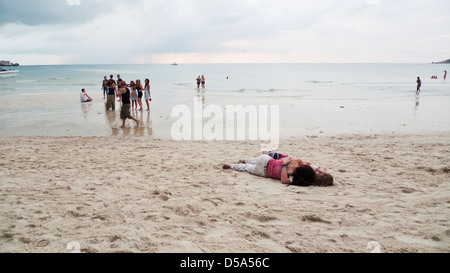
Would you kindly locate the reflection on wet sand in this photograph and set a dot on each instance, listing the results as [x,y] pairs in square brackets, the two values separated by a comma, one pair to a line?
[144,128]
[417,101]
[85,107]
[201,96]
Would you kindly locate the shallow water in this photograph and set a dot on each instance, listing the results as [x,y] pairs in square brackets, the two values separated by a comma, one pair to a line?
[313,99]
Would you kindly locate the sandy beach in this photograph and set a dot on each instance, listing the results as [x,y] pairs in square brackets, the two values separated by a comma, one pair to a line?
[135,194]
[359,88]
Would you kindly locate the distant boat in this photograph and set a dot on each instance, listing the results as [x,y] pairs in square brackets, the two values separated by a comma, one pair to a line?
[174,64]
[8,73]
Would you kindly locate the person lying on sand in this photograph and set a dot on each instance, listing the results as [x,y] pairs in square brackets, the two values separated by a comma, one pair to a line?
[276,155]
[289,171]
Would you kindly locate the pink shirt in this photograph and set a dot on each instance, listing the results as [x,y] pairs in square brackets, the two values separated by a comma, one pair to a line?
[274,168]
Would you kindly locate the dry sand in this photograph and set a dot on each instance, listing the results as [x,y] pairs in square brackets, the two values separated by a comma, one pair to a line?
[117,194]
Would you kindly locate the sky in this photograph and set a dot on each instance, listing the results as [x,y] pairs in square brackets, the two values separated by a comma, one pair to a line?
[47,32]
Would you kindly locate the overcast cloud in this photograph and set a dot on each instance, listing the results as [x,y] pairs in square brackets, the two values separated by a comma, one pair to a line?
[200,31]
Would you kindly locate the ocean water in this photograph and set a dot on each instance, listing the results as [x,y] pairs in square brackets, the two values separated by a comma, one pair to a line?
[313,99]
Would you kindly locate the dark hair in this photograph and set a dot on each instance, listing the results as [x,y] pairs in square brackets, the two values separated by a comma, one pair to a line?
[323,180]
[82,90]
[304,176]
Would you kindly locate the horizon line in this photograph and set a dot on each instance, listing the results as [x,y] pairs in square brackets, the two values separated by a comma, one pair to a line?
[74,64]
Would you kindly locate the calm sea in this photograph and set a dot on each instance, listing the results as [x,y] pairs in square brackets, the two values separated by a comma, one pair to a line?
[314,99]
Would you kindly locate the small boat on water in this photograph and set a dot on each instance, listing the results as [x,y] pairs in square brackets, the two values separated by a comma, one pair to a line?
[8,73]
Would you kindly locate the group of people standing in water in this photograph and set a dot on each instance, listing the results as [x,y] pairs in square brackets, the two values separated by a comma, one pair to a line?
[138,91]
[130,95]
[201,80]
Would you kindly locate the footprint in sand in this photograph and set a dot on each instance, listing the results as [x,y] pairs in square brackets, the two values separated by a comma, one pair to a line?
[43,243]
[260,218]
[314,218]
[407,190]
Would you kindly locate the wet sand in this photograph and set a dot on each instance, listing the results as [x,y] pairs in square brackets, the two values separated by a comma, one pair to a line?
[64,115]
